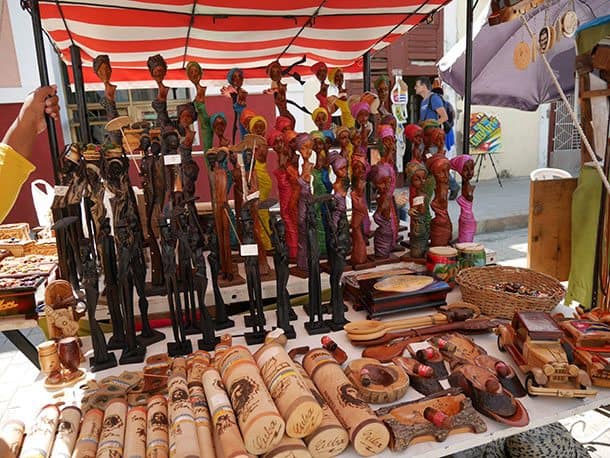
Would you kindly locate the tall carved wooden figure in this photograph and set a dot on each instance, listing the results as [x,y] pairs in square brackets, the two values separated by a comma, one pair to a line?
[440,226]
[321,71]
[194,72]
[382,86]
[278,89]
[419,211]
[336,78]
[304,147]
[360,223]
[238,96]
[382,176]
[467,224]
[103,70]
[258,126]
[282,273]
[321,184]
[158,69]
[286,174]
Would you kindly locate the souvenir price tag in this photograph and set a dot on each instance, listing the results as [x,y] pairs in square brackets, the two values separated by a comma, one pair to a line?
[172,159]
[419,200]
[254,195]
[249,249]
[428,155]
[61,190]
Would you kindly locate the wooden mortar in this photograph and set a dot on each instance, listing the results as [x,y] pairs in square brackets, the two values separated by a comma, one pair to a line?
[183,431]
[112,437]
[157,429]
[367,433]
[226,432]
[293,399]
[135,433]
[260,422]
[40,438]
[387,384]
[67,432]
[289,447]
[89,435]
[11,438]
[330,439]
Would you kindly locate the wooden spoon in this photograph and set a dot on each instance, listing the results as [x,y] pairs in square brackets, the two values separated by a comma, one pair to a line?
[371,326]
[383,331]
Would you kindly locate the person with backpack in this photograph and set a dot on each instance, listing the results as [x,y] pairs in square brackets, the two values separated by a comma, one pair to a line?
[434,106]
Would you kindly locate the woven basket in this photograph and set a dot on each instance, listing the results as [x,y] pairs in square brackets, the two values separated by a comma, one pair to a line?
[477,285]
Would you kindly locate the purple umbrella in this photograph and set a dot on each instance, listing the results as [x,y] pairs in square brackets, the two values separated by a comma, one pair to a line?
[496,80]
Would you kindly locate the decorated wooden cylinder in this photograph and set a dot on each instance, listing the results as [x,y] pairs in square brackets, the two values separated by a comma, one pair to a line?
[135,433]
[203,423]
[289,447]
[442,261]
[293,399]
[229,442]
[48,357]
[39,441]
[183,432]
[259,420]
[67,432]
[157,434]
[471,255]
[366,432]
[330,438]
[11,438]
[89,436]
[112,437]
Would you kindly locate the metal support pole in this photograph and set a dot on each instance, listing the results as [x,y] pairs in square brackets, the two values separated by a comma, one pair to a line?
[44,81]
[79,86]
[366,71]
[468,77]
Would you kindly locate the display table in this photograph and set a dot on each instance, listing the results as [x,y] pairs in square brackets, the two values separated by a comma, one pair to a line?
[542,410]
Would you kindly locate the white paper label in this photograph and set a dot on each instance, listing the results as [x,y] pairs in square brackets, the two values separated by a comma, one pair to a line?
[419,200]
[249,249]
[172,159]
[254,195]
[428,155]
[61,190]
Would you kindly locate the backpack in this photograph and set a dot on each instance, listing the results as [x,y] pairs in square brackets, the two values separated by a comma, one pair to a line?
[448,125]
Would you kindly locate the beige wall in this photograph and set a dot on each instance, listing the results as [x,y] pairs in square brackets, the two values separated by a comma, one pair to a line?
[9,76]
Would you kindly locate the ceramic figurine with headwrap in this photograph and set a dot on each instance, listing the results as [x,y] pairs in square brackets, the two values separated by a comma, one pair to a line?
[238,95]
[415,135]
[304,148]
[282,123]
[383,179]
[284,189]
[360,223]
[321,118]
[258,126]
[158,69]
[321,71]
[467,224]
[244,121]
[343,136]
[194,72]
[360,112]
[382,86]
[419,211]
[440,226]
[335,76]
[340,186]
[278,89]
[388,141]
[218,122]
[321,183]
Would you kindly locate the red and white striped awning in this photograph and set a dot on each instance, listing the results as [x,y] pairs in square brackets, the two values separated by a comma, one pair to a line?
[222,34]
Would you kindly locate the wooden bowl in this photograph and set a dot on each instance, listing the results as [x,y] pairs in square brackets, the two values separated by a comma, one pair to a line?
[387,382]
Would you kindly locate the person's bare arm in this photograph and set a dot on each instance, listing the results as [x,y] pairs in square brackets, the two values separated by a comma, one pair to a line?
[442,114]
[31,119]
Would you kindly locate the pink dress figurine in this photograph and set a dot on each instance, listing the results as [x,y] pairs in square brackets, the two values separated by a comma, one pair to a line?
[467,224]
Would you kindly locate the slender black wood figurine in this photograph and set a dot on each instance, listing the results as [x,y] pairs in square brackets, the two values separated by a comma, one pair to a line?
[282,272]
[222,320]
[181,345]
[253,279]
[102,358]
[316,324]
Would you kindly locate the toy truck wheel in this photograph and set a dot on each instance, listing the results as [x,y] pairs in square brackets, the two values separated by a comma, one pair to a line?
[530,382]
[500,344]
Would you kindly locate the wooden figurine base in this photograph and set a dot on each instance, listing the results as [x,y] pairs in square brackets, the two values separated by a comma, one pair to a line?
[377,383]
[102,365]
[315,328]
[336,326]
[228,323]
[325,267]
[254,338]
[289,332]
[269,276]
[236,280]
[408,425]
[298,272]
[151,290]
[179,349]
[152,338]
[132,357]
[115,343]
[64,381]
[249,323]
[208,344]
[192,329]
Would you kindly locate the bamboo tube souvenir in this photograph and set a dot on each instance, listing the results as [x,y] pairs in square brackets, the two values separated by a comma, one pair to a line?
[330,439]
[229,442]
[367,433]
[11,438]
[39,441]
[135,433]
[293,399]
[259,420]
[88,438]
[202,420]
[289,447]
[157,435]
[183,432]
[67,432]
[112,437]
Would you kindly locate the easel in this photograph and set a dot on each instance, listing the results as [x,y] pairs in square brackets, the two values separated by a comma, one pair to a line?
[480,157]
